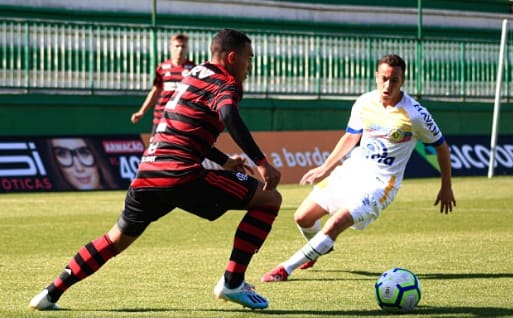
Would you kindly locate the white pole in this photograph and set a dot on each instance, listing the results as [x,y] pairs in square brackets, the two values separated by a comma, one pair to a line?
[497,104]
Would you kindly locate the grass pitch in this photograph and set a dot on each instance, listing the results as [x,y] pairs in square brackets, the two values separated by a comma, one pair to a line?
[463,260]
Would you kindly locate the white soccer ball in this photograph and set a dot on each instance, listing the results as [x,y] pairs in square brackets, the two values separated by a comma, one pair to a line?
[397,290]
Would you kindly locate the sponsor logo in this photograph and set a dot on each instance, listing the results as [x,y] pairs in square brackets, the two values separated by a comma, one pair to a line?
[303,159]
[430,123]
[377,150]
[25,184]
[395,135]
[20,159]
[123,146]
[21,168]
[468,156]
[241,176]
[201,72]
[148,159]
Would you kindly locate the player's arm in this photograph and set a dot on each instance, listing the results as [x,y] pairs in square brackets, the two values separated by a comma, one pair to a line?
[150,100]
[342,148]
[234,163]
[445,196]
[241,135]
[217,156]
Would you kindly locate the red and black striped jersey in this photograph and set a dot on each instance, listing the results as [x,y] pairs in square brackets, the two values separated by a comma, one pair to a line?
[189,127]
[167,77]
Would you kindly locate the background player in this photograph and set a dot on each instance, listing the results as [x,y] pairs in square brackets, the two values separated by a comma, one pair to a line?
[167,77]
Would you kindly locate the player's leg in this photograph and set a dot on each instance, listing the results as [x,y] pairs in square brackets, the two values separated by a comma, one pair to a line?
[89,259]
[320,244]
[252,232]
[93,255]
[350,205]
[249,237]
[222,191]
[326,197]
[308,220]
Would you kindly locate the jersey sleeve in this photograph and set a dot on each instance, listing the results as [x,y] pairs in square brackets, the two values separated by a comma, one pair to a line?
[355,124]
[217,156]
[158,81]
[240,133]
[228,94]
[426,128]
[227,105]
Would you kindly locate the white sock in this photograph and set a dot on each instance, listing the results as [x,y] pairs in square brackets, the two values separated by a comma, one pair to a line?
[318,245]
[309,232]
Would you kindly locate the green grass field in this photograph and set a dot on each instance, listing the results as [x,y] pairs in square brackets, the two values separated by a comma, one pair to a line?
[463,260]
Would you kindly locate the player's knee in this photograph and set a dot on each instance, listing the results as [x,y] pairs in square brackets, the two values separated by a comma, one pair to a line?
[303,219]
[271,199]
[274,199]
[277,198]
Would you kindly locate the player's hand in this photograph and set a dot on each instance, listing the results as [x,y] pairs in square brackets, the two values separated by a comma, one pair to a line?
[237,163]
[270,175]
[446,199]
[313,175]
[135,117]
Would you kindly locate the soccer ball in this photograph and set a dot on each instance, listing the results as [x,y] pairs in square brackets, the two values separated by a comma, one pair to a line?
[397,290]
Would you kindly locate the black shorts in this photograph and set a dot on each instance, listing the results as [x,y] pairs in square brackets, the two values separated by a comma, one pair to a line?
[208,197]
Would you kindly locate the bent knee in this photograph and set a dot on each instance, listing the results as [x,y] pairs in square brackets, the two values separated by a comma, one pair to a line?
[304,220]
[277,198]
[272,199]
[308,213]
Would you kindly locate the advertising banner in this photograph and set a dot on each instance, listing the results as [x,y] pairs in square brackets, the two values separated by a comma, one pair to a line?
[292,152]
[68,163]
[470,156]
[295,152]
[110,162]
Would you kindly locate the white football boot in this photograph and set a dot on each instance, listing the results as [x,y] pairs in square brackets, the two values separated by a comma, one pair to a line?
[244,295]
[41,302]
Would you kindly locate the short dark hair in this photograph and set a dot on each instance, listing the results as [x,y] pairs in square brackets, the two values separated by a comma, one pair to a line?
[180,37]
[228,40]
[392,60]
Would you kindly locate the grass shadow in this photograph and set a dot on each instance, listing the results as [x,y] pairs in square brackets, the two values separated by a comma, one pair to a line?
[443,275]
[375,275]
[421,310]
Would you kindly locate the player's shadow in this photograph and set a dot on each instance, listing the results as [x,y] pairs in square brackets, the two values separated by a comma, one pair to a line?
[443,275]
[365,275]
[421,310]
[374,275]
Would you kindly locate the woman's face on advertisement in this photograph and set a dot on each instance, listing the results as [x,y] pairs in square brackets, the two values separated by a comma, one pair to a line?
[77,163]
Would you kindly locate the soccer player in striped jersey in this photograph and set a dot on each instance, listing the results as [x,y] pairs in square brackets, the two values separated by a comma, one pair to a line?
[386,124]
[171,176]
[168,75]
